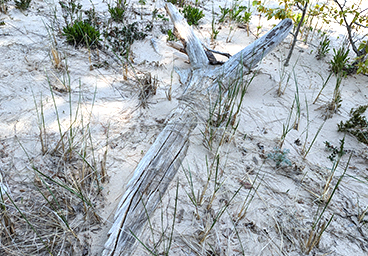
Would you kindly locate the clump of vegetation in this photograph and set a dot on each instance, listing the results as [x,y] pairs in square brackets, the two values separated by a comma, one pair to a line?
[120,40]
[341,12]
[179,3]
[335,151]
[92,18]
[78,31]
[362,65]
[171,36]
[335,103]
[280,157]
[82,33]
[324,47]
[71,11]
[117,12]
[22,4]
[339,62]
[287,10]
[214,31]
[357,125]
[237,12]
[192,14]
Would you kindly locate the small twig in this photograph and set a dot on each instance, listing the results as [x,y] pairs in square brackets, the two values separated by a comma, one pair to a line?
[228,55]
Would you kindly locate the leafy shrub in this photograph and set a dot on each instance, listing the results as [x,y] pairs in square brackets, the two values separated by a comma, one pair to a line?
[92,18]
[192,14]
[357,125]
[171,36]
[339,62]
[22,4]
[71,11]
[335,151]
[236,13]
[120,40]
[179,3]
[362,61]
[82,33]
[117,12]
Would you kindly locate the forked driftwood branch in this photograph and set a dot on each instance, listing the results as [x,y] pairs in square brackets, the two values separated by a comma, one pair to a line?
[160,164]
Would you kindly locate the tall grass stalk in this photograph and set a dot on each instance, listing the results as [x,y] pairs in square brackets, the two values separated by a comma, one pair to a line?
[319,227]
[224,109]
[305,153]
[192,194]
[218,215]
[287,126]
[167,240]
[41,123]
[324,83]
[29,223]
[297,103]
[246,202]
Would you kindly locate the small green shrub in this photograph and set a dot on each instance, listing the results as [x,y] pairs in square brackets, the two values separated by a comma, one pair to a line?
[236,13]
[22,4]
[92,18]
[192,14]
[120,40]
[179,3]
[335,151]
[357,125]
[71,11]
[171,36]
[362,61]
[339,62]
[82,33]
[280,157]
[117,13]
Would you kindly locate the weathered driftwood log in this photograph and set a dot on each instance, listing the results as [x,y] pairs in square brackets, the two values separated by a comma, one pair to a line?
[160,164]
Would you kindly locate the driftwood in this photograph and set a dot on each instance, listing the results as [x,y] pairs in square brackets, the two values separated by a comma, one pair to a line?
[160,164]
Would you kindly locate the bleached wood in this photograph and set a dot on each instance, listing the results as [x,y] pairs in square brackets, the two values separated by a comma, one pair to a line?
[191,43]
[159,165]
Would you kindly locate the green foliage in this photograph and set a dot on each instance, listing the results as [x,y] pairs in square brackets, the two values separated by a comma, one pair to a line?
[354,18]
[192,14]
[324,47]
[155,15]
[284,11]
[362,66]
[237,13]
[22,4]
[339,62]
[335,151]
[82,33]
[117,12]
[280,157]
[357,125]
[71,11]
[120,40]
[92,18]
[179,3]
[171,36]
[215,32]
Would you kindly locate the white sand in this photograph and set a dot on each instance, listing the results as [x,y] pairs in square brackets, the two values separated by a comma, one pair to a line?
[285,205]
